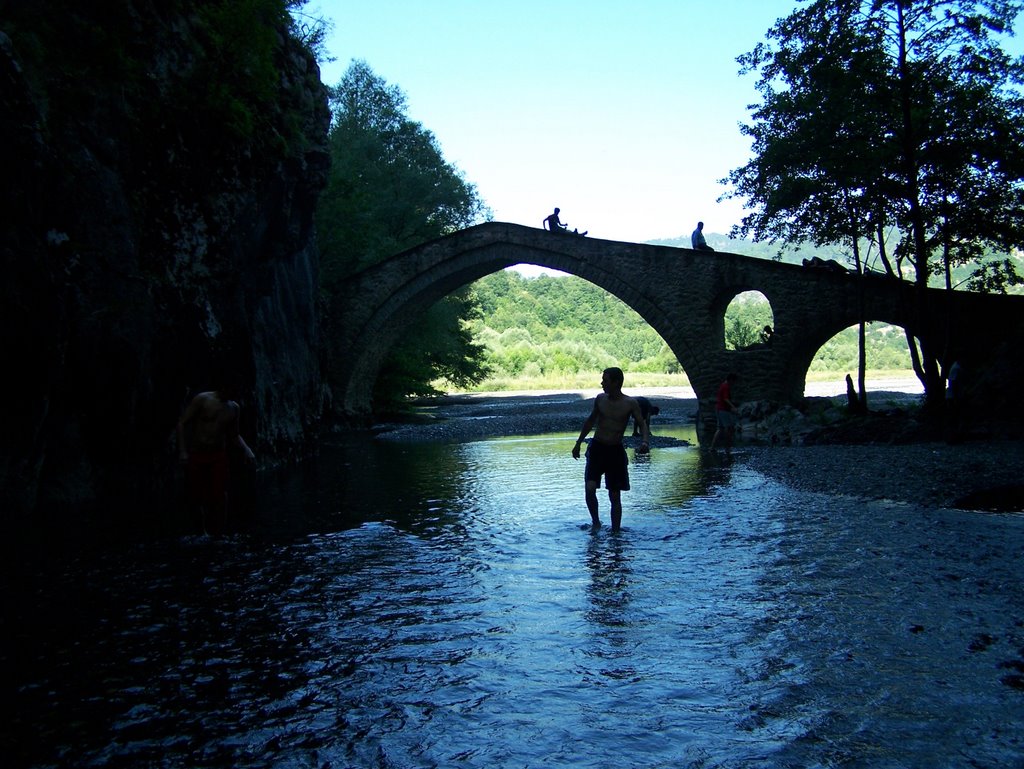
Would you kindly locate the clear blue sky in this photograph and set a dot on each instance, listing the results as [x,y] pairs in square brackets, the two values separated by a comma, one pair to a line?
[624,114]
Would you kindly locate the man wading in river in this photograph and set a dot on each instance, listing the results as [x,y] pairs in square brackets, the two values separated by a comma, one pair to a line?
[207,429]
[606,455]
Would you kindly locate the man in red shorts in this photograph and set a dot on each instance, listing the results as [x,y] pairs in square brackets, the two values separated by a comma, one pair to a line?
[205,431]
[606,455]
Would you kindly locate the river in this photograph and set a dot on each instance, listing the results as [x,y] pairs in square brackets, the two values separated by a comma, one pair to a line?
[444,605]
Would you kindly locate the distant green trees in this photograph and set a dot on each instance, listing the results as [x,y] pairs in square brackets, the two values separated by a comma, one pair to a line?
[885,350]
[745,319]
[555,327]
[550,326]
[390,189]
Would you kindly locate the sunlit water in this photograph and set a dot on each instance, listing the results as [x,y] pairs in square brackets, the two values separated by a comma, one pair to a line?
[441,606]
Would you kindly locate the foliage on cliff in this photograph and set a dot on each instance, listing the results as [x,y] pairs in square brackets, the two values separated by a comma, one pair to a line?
[161,162]
[220,67]
[390,189]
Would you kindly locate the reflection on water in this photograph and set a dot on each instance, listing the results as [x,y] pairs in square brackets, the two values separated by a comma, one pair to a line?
[440,605]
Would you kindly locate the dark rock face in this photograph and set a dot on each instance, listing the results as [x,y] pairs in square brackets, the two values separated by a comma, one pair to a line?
[157,239]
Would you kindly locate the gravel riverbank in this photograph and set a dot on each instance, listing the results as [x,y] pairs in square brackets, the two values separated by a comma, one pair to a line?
[931,473]
[974,475]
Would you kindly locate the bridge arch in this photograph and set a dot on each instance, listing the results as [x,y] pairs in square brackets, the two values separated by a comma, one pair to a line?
[386,323]
[730,302]
[682,294]
[886,349]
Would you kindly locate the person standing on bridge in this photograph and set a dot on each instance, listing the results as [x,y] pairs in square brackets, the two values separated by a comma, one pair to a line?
[606,455]
[697,241]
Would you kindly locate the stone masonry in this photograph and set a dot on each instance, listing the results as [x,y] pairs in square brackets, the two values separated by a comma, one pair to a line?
[683,294]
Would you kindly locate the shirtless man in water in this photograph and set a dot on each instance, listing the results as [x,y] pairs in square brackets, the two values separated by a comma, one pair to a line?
[206,429]
[606,455]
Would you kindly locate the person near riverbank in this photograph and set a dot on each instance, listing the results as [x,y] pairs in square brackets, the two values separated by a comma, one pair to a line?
[647,410]
[606,455]
[725,415]
[954,403]
[207,428]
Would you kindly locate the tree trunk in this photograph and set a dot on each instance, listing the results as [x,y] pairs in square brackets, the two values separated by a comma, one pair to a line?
[862,355]
[927,365]
[882,255]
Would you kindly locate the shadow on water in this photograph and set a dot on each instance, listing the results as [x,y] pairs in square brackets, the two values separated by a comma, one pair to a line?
[609,590]
[356,479]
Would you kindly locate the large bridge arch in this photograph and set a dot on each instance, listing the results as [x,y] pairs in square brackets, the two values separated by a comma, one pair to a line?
[681,293]
[441,275]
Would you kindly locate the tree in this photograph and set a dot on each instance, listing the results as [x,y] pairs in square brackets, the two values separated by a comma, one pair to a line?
[311,29]
[390,189]
[442,347]
[817,161]
[891,113]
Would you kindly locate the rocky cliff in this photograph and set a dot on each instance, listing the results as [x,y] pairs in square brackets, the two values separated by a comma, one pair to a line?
[162,162]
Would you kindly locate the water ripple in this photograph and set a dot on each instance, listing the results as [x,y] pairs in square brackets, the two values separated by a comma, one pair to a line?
[462,617]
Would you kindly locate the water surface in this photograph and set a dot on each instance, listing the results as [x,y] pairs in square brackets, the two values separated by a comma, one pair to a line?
[419,605]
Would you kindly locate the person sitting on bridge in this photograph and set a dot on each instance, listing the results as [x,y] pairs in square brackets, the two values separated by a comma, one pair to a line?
[697,241]
[553,224]
[830,265]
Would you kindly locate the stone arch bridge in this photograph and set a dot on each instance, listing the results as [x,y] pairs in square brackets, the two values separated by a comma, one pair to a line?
[683,294]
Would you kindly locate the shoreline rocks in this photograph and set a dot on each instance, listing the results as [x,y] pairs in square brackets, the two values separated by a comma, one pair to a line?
[978,476]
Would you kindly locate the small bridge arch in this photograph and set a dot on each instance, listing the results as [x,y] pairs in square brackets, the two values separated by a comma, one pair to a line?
[683,294]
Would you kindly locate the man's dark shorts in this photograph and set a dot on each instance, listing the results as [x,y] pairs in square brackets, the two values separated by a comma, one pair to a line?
[208,478]
[609,461]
